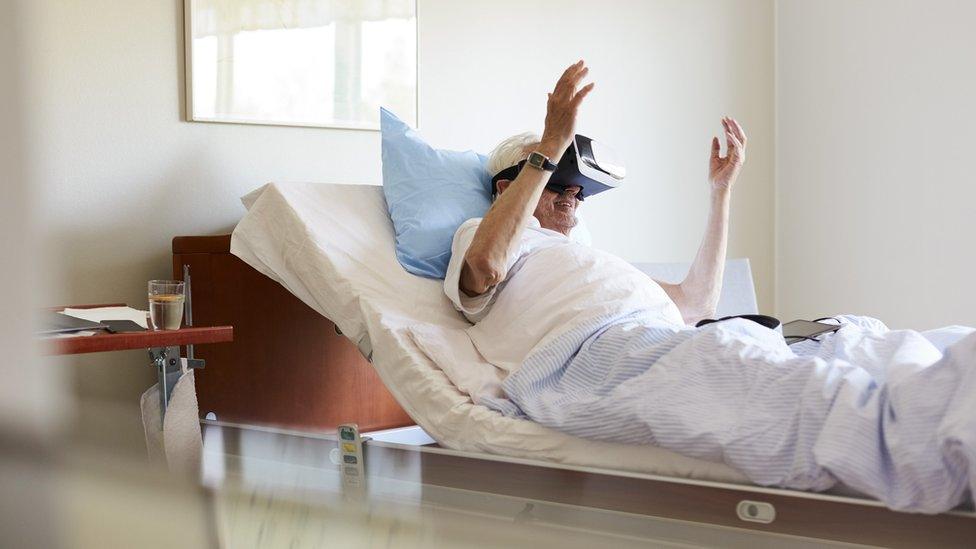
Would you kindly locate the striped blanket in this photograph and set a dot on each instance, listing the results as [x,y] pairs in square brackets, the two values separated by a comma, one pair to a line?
[889,413]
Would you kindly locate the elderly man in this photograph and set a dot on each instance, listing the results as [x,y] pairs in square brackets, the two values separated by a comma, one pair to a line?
[590,346]
[521,279]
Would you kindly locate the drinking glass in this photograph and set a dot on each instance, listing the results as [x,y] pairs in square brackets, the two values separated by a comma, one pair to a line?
[165,304]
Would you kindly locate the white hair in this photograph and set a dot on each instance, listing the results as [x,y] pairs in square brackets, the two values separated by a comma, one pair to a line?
[511,151]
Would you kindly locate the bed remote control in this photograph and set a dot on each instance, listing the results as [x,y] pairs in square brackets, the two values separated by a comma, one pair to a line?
[351,456]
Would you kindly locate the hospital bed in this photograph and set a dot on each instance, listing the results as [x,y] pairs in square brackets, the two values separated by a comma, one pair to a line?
[332,330]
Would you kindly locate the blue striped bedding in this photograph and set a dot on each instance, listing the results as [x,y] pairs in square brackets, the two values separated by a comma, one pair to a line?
[889,413]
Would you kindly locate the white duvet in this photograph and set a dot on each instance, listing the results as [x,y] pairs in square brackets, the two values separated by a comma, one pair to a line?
[332,246]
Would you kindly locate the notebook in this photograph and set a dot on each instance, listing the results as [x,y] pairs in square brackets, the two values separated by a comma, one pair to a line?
[51,322]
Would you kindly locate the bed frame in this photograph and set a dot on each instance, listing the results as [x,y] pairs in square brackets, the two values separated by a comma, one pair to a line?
[290,368]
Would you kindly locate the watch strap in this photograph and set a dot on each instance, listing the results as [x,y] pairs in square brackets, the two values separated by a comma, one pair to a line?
[540,161]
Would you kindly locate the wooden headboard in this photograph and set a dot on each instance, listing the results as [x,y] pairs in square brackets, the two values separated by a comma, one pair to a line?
[287,365]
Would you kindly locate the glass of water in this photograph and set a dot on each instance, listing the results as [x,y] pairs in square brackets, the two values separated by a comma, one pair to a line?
[165,304]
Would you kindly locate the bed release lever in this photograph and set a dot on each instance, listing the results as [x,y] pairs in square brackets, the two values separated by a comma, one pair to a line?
[756,511]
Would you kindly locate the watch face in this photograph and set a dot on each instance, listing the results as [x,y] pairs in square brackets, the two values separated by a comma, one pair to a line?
[536,159]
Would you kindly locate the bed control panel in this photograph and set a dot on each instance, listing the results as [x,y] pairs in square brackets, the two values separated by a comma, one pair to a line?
[756,511]
[350,456]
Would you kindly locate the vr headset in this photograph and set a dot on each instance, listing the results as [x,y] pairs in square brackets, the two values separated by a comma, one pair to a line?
[590,165]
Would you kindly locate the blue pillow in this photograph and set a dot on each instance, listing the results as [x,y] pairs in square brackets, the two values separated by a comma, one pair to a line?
[429,193]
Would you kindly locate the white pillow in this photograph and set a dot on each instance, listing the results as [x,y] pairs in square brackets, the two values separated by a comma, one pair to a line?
[351,224]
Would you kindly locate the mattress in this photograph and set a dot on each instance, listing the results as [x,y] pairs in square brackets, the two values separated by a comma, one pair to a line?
[333,247]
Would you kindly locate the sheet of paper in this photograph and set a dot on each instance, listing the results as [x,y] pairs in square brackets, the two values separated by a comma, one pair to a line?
[109,313]
[73,334]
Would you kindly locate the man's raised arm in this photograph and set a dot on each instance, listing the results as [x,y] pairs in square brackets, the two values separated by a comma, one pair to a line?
[697,295]
[486,261]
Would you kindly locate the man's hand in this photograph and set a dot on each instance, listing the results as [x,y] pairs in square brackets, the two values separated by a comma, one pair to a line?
[697,295]
[500,232]
[561,111]
[723,171]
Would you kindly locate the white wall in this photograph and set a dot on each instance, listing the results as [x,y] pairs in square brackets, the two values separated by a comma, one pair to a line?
[875,147]
[665,73]
[122,173]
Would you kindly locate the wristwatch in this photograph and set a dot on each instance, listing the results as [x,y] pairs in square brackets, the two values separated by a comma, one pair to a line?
[540,161]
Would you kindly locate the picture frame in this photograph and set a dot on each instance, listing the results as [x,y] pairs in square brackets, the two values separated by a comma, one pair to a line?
[268,62]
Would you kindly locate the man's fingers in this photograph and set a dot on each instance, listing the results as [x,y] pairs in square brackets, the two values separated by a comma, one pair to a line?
[737,130]
[569,71]
[735,146]
[569,88]
[568,74]
[731,140]
[574,69]
[584,91]
[579,75]
[567,84]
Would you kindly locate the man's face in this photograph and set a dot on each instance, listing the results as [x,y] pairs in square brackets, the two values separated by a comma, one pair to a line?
[557,211]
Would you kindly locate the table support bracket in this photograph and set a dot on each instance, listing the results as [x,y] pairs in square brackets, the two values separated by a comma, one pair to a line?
[169,368]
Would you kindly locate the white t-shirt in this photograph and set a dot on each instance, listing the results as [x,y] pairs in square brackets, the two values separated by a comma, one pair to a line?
[553,284]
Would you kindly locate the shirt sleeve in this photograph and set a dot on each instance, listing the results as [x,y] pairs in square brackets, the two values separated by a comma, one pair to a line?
[473,308]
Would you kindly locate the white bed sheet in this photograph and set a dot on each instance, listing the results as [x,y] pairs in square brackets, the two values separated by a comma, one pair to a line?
[333,247]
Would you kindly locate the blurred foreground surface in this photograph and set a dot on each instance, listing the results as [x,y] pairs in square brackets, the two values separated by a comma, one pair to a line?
[265,488]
